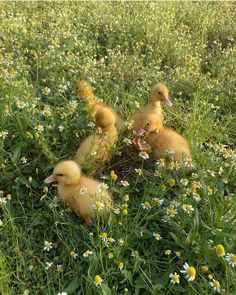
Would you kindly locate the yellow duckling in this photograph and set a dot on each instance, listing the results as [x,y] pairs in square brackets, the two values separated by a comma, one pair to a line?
[160,93]
[96,148]
[85,91]
[164,141]
[80,193]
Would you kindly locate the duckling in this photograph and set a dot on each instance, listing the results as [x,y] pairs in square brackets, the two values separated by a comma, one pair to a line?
[163,140]
[85,91]
[79,192]
[160,93]
[97,147]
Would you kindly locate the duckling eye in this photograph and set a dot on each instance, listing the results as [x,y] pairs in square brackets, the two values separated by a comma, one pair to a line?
[148,124]
[159,92]
[60,174]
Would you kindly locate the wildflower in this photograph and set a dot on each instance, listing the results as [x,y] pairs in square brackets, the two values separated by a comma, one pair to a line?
[221,170]
[190,272]
[8,197]
[126,290]
[116,210]
[39,128]
[91,124]
[127,141]
[104,236]
[98,206]
[231,259]
[210,276]
[212,173]
[26,292]
[46,111]
[144,155]
[188,208]
[1,223]
[124,183]
[87,253]
[171,212]
[124,212]
[121,241]
[129,125]
[171,165]
[73,254]
[3,201]
[113,175]
[62,88]
[168,252]
[158,201]
[83,190]
[98,280]
[46,90]
[48,246]
[59,268]
[23,160]
[121,265]
[48,265]
[102,187]
[171,182]
[184,181]
[216,285]
[139,171]
[126,198]
[220,250]
[72,105]
[61,128]
[209,191]
[3,134]
[110,255]
[178,253]
[161,162]
[196,197]
[188,163]
[225,180]
[204,268]
[21,104]
[174,278]
[62,293]
[146,205]
[157,236]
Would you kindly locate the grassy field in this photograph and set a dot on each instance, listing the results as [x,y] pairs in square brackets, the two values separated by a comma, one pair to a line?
[122,49]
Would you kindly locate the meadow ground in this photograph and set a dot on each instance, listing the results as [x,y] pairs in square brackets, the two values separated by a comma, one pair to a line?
[172,216]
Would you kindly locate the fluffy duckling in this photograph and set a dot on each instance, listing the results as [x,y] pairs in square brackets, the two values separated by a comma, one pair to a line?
[160,93]
[163,140]
[79,192]
[97,147]
[85,91]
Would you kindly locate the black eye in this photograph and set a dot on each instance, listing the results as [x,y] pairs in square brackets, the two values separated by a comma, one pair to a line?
[148,124]
[159,92]
[60,174]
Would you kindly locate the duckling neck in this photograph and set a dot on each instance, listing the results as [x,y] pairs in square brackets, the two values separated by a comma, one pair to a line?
[156,104]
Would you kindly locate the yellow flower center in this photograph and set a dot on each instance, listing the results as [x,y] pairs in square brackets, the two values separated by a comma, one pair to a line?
[233,258]
[220,250]
[98,279]
[191,271]
[125,212]
[204,268]
[210,277]
[188,207]
[175,277]
[104,235]
[217,284]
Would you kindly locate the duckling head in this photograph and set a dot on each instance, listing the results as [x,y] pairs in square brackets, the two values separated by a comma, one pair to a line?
[161,93]
[65,172]
[105,119]
[83,89]
[150,123]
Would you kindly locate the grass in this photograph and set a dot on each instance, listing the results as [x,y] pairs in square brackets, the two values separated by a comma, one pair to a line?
[122,48]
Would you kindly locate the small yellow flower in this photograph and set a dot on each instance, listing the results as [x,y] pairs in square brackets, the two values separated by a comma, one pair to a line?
[126,198]
[204,268]
[171,165]
[139,171]
[121,265]
[98,280]
[171,182]
[168,252]
[124,212]
[113,175]
[110,255]
[104,235]
[209,191]
[146,205]
[220,250]
[210,276]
